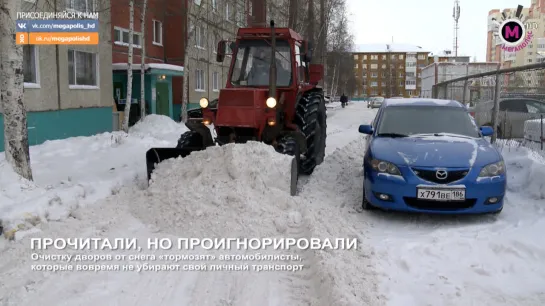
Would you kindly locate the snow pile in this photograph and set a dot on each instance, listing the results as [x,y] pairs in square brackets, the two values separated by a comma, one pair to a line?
[526,173]
[77,171]
[233,189]
[157,126]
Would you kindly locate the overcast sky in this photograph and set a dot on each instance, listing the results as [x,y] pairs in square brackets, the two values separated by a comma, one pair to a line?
[426,23]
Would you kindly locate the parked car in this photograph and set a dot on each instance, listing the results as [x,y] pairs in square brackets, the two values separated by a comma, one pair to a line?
[196,113]
[513,112]
[375,102]
[426,155]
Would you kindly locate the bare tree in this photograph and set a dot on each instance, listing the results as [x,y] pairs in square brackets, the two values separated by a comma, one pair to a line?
[129,68]
[339,46]
[143,60]
[11,92]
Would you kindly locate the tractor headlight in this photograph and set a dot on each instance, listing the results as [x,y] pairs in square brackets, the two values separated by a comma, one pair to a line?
[271,102]
[203,102]
[494,169]
[385,167]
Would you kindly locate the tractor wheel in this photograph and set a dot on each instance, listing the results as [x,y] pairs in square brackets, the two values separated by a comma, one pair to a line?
[311,119]
[190,139]
[289,146]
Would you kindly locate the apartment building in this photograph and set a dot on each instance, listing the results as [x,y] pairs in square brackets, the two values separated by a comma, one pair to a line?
[209,22]
[534,52]
[164,56]
[448,59]
[388,70]
[76,101]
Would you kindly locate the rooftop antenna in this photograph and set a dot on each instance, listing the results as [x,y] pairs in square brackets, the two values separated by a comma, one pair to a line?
[456,17]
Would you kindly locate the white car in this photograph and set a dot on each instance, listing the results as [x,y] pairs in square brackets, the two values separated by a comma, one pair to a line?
[375,102]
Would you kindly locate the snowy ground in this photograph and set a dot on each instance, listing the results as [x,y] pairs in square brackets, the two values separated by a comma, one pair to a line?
[402,260]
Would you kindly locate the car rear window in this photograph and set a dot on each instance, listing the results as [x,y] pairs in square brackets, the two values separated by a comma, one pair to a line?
[409,120]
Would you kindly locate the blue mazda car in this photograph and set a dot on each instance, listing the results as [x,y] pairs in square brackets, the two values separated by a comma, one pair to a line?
[427,155]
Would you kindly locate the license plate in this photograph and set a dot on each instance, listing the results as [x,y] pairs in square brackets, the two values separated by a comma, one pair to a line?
[443,194]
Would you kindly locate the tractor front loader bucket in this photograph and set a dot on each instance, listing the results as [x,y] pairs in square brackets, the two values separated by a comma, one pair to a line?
[157,155]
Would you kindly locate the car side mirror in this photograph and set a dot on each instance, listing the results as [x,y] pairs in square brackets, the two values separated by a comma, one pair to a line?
[365,129]
[486,130]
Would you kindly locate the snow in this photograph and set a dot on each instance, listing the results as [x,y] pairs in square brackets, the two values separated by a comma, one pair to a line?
[240,191]
[80,170]
[125,66]
[452,138]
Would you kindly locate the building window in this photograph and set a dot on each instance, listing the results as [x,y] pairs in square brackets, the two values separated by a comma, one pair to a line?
[401,56]
[383,57]
[355,57]
[215,81]
[401,83]
[227,12]
[199,80]
[200,37]
[364,66]
[121,37]
[157,33]
[30,66]
[383,84]
[374,57]
[410,64]
[410,93]
[374,66]
[240,16]
[356,66]
[198,2]
[82,68]
[373,74]
[374,84]
[401,74]
[383,66]
[410,82]
[421,57]
[410,74]
[384,74]
[81,5]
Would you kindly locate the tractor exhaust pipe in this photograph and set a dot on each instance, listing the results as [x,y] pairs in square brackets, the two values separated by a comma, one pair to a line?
[272,71]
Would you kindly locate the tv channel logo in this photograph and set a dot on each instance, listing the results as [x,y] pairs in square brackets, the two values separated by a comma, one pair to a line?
[513,33]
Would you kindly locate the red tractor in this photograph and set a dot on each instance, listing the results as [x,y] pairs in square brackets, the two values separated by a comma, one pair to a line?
[271,95]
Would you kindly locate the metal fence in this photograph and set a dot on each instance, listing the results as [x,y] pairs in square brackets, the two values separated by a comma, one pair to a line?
[510,100]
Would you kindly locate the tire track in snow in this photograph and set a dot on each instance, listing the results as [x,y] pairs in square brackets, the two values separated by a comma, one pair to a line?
[346,277]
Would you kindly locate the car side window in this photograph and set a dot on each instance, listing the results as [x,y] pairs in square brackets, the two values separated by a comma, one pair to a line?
[515,106]
[535,107]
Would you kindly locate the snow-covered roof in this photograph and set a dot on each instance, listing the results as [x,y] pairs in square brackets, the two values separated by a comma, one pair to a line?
[125,66]
[400,48]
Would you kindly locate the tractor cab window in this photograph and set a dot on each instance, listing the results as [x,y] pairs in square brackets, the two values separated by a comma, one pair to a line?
[300,64]
[252,63]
